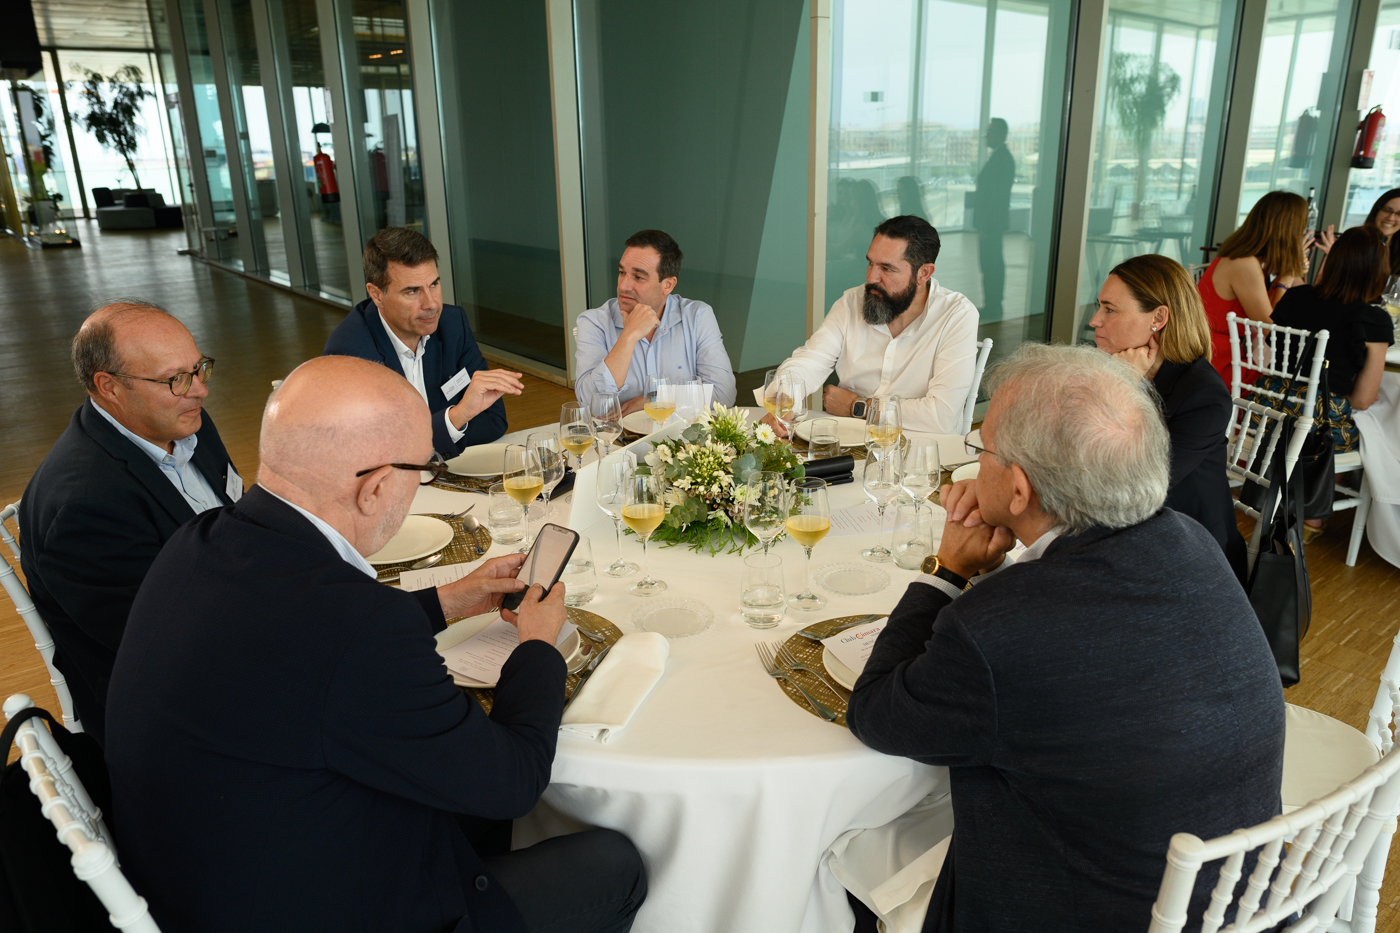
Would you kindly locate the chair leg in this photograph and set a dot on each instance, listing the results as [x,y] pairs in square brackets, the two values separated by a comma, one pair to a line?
[1368,882]
[1358,523]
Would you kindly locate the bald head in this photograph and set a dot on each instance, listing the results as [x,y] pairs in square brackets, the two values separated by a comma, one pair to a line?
[98,344]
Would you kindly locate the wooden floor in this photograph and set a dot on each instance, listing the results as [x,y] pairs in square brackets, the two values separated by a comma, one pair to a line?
[259,333]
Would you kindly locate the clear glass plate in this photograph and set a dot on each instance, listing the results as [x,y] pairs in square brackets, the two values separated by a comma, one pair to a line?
[675,618]
[851,579]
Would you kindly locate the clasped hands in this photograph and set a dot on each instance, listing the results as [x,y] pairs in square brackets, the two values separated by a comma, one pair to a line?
[970,546]
[540,615]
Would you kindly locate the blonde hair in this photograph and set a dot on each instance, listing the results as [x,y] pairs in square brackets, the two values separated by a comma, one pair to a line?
[1273,232]
[1155,281]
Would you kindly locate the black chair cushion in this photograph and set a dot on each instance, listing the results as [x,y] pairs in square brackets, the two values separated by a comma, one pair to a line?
[102,197]
[136,199]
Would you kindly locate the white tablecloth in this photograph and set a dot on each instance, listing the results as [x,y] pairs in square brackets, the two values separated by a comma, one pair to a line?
[731,791]
[1380,455]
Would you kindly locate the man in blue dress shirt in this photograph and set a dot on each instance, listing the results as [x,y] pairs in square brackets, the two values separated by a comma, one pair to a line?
[405,326]
[626,340]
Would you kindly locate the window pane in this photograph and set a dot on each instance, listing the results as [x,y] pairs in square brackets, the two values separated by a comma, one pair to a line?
[395,196]
[218,246]
[254,135]
[1364,186]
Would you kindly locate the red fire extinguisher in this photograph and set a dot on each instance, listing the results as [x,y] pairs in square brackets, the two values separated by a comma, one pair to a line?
[325,177]
[1369,133]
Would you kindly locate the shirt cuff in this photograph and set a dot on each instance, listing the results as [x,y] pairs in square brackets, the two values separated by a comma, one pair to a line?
[452,430]
[938,583]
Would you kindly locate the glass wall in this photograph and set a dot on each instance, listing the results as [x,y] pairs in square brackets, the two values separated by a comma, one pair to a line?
[179,146]
[213,153]
[1365,185]
[959,120]
[1157,145]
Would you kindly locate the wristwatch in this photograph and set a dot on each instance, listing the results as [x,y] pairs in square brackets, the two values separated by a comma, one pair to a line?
[934,568]
[858,408]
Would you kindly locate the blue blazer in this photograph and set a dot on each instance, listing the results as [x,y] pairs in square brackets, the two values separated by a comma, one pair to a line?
[452,349]
[93,518]
[294,713]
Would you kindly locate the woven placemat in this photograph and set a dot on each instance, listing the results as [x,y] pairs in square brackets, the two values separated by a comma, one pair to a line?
[456,483]
[810,653]
[584,620]
[465,547]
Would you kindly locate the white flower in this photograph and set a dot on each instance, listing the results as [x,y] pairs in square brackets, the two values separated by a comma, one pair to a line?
[765,434]
[664,453]
[682,483]
[653,459]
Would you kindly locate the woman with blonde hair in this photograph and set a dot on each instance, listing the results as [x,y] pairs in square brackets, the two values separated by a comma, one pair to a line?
[1151,317]
[1257,264]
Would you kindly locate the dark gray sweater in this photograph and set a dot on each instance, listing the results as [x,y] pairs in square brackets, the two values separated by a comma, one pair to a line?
[1088,704]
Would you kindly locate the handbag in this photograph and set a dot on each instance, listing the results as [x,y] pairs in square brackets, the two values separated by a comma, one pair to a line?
[1279,590]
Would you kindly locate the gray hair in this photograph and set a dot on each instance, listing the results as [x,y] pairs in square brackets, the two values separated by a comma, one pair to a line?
[1087,430]
[95,344]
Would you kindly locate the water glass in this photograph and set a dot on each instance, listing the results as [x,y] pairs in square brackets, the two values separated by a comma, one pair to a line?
[504,516]
[761,598]
[580,577]
[824,439]
[912,539]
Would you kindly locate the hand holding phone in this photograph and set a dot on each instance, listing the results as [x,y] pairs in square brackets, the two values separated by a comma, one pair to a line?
[545,563]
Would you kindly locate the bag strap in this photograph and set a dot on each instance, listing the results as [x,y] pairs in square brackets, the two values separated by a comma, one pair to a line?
[7,738]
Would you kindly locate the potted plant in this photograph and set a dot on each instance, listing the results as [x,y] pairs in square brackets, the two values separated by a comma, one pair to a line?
[1143,89]
[111,115]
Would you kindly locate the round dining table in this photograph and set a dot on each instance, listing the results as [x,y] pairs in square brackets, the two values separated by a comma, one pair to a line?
[730,790]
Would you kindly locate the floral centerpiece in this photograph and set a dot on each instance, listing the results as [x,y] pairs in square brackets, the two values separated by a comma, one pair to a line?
[707,469]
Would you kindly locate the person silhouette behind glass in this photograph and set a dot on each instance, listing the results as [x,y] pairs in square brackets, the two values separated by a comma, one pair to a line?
[911,196]
[991,208]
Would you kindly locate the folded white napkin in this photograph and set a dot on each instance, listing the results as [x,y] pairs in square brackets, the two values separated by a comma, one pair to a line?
[611,696]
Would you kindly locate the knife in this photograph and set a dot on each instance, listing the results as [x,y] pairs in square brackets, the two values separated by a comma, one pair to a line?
[863,620]
[587,673]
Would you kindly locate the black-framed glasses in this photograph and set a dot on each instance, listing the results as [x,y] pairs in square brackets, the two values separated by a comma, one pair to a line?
[975,449]
[428,472]
[180,382]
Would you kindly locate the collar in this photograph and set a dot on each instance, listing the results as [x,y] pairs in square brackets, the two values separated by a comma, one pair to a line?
[184,447]
[1037,550]
[338,541]
[399,346]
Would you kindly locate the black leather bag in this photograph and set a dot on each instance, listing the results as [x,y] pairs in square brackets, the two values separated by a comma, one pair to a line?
[1279,589]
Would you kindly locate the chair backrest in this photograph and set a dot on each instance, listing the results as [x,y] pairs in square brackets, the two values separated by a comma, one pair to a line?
[65,802]
[1251,445]
[984,350]
[1267,350]
[1380,722]
[1328,842]
[38,630]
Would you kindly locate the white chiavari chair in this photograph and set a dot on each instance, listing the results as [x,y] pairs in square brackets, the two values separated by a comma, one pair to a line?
[78,822]
[1252,441]
[984,350]
[38,629]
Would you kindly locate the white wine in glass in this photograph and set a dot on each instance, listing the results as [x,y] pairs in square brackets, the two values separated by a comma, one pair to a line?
[770,397]
[883,426]
[790,400]
[808,521]
[606,409]
[523,480]
[643,512]
[660,402]
[575,430]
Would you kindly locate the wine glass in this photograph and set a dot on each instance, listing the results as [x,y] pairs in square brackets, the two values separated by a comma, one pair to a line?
[660,402]
[575,429]
[883,427]
[552,461]
[770,392]
[524,481]
[808,521]
[612,496]
[790,400]
[882,480]
[690,399]
[606,409]
[919,470]
[643,512]
[765,506]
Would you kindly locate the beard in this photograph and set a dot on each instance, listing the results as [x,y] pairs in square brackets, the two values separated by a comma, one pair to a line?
[881,307]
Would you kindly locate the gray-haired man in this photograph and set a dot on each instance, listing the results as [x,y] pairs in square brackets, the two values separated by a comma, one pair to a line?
[1109,688]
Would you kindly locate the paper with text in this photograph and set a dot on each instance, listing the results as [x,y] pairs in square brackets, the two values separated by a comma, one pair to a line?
[863,519]
[480,657]
[853,646]
[441,575]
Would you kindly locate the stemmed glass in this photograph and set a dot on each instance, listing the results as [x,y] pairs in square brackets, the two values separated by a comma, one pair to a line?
[524,481]
[790,400]
[660,402]
[575,429]
[808,521]
[883,426]
[765,506]
[552,461]
[770,392]
[919,470]
[606,409]
[643,512]
[612,496]
[882,480]
[690,399]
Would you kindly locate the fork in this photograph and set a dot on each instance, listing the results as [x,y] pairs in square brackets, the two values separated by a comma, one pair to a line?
[448,515]
[793,663]
[771,668]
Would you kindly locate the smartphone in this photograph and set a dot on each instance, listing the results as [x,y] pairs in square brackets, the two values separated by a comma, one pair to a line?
[545,563]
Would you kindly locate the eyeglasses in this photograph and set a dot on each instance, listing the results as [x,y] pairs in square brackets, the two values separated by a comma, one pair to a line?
[430,471]
[180,382]
[1388,210]
[975,449]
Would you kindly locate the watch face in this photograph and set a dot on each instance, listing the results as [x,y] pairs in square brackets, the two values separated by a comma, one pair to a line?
[857,409]
[930,564]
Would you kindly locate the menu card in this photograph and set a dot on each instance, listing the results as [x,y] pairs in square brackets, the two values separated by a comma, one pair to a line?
[481,657]
[853,646]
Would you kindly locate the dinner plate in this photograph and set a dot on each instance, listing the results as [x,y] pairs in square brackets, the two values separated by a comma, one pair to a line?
[481,461]
[839,672]
[966,471]
[852,579]
[419,537]
[639,422]
[458,632]
[676,617]
[850,432]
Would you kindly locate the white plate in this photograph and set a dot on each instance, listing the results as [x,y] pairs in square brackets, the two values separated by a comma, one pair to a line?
[481,461]
[852,579]
[839,672]
[639,422]
[676,617]
[419,537]
[966,471]
[849,431]
[458,632]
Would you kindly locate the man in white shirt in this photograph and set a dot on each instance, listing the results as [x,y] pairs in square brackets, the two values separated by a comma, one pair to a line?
[900,334]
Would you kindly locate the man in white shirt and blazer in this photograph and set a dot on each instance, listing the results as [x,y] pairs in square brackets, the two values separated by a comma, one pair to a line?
[900,334]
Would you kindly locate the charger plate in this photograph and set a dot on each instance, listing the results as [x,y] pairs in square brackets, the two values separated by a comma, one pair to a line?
[583,619]
[810,653]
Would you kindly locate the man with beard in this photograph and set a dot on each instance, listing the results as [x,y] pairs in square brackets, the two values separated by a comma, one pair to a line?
[901,334]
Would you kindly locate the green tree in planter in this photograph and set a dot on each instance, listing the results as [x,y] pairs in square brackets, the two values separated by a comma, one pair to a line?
[1142,92]
[112,120]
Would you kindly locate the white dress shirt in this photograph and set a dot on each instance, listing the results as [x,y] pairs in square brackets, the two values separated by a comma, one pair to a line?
[338,541]
[176,467]
[929,365]
[412,363]
[1033,552]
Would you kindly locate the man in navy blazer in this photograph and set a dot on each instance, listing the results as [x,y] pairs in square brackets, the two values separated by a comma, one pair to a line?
[404,325]
[279,710]
[138,460]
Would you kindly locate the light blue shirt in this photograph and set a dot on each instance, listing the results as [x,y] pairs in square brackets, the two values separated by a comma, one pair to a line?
[185,477]
[687,343]
[338,541]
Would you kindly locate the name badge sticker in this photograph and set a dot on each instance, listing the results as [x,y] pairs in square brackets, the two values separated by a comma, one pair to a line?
[235,485]
[457,383]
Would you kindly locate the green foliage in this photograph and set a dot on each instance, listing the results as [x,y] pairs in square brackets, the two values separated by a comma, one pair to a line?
[111,115]
[1142,92]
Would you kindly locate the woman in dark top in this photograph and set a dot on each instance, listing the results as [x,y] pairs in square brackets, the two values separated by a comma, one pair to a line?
[1385,217]
[1150,316]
